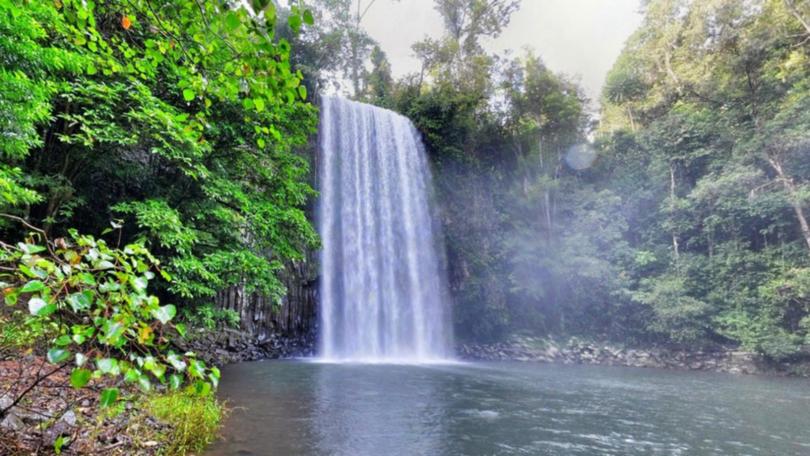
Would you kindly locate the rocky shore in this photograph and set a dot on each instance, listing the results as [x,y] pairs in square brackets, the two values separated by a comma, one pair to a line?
[227,346]
[573,351]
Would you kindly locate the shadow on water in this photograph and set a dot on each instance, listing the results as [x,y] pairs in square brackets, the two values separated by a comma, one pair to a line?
[302,408]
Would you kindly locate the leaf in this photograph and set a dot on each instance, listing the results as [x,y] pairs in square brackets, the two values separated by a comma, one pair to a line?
[33,286]
[80,301]
[139,283]
[57,355]
[10,297]
[202,388]
[294,22]
[175,381]
[181,329]
[79,377]
[177,363]
[40,308]
[107,365]
[62,340]
[258,103]
[104,264]
[165,313]
[232,20]
[144,383]
[126,22]
[302,92]
[60,442]
[308,19]
[188,94]
[108,397]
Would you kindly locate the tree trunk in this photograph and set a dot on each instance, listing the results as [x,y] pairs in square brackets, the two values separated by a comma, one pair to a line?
[790,188]
[675,243]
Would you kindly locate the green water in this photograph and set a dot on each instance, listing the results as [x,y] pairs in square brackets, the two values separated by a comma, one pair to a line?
[304,408]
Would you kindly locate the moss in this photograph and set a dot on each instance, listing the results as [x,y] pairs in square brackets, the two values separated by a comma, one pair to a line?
[192,420]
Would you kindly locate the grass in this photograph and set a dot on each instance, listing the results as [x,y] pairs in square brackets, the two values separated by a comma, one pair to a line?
[15,334]
[193,420]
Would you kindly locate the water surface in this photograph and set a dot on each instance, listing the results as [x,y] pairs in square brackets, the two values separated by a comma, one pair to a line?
[306,408]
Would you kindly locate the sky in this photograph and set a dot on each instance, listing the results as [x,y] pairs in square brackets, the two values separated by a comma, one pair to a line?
[580,38]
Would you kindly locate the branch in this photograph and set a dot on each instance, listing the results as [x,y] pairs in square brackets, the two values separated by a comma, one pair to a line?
[30,387]
[38,230]
[797,14]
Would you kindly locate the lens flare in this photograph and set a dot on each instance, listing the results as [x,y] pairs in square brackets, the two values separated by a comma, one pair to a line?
[580,156]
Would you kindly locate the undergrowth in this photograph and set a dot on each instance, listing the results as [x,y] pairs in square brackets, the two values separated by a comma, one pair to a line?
[193,420]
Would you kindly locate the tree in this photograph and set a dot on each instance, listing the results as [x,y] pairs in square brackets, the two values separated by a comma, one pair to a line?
[181,116]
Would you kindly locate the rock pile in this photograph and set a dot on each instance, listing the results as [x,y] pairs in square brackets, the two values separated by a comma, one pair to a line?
[574,351]
[226,346]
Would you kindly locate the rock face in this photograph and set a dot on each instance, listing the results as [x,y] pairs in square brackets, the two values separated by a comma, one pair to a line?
[267,330]
[578,352]
[287,329]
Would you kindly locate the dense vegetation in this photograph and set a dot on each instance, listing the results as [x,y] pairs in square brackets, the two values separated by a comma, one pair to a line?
[168,130]
[679,218]
[150,156]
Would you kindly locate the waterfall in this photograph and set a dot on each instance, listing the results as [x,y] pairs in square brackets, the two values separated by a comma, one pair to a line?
[383,294]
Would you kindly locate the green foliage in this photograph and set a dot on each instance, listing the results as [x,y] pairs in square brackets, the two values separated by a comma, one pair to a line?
[680,317]
[103,321]
[193,420]
[701,98]
[682,223]
[180,116]
[210,317]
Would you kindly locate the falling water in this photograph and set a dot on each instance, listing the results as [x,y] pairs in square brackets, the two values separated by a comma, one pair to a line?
[383,296]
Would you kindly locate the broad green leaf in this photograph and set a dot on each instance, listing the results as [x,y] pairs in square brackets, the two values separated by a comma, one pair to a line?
[188,94]
[10,298]
[62,340]
[175,381]
[107,365]
[164,314]
[80,301]
[108,397]
[232,20]
[57,355]
[33,286]
[202,388]
[79,377]
[105,264]
[258,104]
[294,22]
[177,363]
[144,383]
[40,308]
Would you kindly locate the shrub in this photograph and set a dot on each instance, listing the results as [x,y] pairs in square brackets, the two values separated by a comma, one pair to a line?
[104,323]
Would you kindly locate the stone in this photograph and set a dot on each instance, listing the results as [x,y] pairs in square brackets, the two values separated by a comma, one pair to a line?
[5,401]
[69,417]
[12,422]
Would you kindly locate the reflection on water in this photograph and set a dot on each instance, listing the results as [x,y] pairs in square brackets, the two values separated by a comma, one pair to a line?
[300,408]
[356,414]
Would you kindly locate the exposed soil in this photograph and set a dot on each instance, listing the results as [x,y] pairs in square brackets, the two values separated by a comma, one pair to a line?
[52,411]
